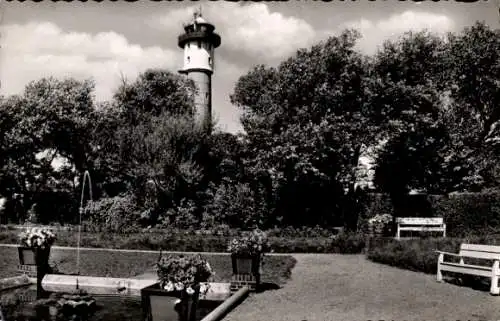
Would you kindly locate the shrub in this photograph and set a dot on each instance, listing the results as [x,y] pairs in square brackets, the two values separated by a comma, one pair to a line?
[236,205]
[115,214]
[181,216]
[347,243]
[467,213]
[381,224]
[304,231]
[416,254]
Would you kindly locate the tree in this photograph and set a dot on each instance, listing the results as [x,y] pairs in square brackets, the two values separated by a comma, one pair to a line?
[305,122]
[48,120]
[473,68]
[153,93]
[408,86]
[158,141]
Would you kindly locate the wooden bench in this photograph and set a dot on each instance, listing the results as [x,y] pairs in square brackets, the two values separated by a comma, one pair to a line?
[476,251]
[420,224]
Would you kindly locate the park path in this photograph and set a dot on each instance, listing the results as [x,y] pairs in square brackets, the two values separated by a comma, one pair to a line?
[349,287]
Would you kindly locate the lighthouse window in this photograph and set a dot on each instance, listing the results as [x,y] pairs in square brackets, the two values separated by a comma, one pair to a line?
[206,95]
[189,45]
[189,59]
[199,44]
[209,60]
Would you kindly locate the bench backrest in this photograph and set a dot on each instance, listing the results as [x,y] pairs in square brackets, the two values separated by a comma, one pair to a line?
[420,220]
[480,251]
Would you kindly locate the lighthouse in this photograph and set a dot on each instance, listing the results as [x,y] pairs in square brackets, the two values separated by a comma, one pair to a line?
[199,42]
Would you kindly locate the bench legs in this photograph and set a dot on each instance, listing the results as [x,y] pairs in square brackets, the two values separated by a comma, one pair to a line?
[495,271]
[398,233]
[439,276]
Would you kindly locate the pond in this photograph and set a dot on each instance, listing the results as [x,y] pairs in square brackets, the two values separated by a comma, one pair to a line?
[21,305]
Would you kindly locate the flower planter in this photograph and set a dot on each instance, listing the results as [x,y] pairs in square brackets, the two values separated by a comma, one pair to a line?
[161,305]
[35,261]
[33,256]
[246,271]
[26,255]
[245,264]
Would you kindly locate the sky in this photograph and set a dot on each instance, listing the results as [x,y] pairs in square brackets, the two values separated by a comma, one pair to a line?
[106,40]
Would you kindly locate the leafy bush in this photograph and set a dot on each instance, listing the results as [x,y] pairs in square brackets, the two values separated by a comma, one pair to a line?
[181,216]
[463,213]
[381,224]
[195,241]
[347,243]
[115,214]
[466,213]
[304,231]
[236,205]
[419,254]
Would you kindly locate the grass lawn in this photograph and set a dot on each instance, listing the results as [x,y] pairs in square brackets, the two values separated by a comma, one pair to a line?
[276,269]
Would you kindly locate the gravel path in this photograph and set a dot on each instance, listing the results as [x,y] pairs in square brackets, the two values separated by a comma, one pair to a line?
[344,287]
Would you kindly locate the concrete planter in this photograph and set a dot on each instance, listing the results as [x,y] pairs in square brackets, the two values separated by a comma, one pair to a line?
[245,264]
[35,261]
[30,256]
[159,304]
[246,272]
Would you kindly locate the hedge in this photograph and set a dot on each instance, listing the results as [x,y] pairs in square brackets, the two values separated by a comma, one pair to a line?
[419,254]
[192,242]
[463,213]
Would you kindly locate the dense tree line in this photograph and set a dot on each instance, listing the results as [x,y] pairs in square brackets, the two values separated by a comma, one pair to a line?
[433,100]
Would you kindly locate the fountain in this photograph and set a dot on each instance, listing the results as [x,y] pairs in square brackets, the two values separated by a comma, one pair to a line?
[86,177]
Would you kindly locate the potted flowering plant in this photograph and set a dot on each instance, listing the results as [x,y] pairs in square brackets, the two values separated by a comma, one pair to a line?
[247,252]
[35,244]
[34,252]
[181,281]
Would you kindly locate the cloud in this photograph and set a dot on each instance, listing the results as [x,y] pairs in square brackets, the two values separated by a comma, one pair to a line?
[40,49]
[250,29]
[376,32]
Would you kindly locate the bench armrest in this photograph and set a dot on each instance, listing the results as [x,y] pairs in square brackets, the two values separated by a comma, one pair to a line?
[448,253]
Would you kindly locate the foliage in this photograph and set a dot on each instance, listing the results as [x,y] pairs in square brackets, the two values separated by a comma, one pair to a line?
[37,238]
[347,243]
[183,273]
[432,100]
[48,121]
[303,133]
[114,214]
[467,213]
[182,216]
[381,224]
[235,204]
[450,144]
[154,93]
[254,243]
[472,69]
[409,94]
[197,241]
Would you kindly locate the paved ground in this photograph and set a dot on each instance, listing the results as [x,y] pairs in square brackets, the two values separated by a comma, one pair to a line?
[343,287]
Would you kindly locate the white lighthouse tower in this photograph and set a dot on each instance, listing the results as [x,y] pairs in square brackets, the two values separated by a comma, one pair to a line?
[199,42]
